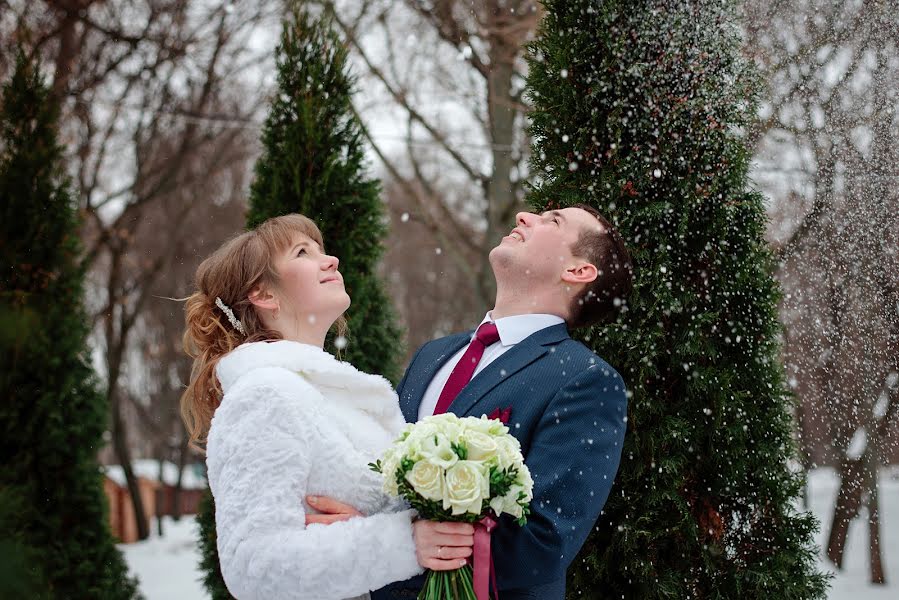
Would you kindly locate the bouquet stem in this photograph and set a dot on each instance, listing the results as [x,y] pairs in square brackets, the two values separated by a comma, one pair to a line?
[449,585]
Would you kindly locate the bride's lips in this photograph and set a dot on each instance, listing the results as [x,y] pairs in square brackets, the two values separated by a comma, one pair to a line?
[331,278]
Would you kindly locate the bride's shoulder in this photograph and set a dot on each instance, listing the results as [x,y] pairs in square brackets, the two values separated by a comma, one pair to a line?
[262,369]
[248,360]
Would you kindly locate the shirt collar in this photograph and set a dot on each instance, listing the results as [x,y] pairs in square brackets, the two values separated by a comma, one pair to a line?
[516,328]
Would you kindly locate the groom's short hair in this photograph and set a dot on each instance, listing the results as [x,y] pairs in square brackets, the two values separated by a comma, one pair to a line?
[602,298]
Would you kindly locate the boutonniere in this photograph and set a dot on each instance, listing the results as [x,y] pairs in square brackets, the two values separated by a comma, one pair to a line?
[503,415]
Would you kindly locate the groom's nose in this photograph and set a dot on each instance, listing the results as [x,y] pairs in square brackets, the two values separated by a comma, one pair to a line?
[525,218]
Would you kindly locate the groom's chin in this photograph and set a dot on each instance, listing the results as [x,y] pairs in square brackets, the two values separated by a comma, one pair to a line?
[500,257]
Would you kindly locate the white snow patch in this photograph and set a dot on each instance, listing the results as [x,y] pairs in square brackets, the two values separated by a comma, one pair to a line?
[852,582]
[168,567]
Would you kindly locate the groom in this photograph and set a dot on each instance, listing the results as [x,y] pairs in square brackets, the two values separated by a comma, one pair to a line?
[561,269]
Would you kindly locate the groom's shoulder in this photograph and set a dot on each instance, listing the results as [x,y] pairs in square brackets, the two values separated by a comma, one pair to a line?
[582,358]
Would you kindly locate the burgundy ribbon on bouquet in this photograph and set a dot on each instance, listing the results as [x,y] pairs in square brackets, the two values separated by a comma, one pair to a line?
[503,415]
[484,573]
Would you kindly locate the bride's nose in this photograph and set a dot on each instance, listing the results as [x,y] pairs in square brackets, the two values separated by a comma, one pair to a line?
[331,262]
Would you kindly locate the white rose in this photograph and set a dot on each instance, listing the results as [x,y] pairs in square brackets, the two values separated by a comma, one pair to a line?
[498,505]
[389,464]
[525,481]
[492,427]
[508,451]
[448,424]
[440,421]
[507,504]
[510,502]
[423,430]
[427,480]
[390,487]
[480,445]
[417,436]
[407,430]
[437,450]
[466,487]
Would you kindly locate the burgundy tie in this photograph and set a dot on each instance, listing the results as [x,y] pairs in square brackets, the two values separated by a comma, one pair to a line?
[486,335]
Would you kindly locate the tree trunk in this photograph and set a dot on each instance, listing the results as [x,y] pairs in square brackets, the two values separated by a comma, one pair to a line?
[499,192]
[69,46]
[123,453]
[874,519]
[115,354]
[846,508]
[183,452]
[160,497]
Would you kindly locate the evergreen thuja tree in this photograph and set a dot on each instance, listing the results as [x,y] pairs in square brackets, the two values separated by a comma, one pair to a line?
[51,415]
[641,109]
[313,163]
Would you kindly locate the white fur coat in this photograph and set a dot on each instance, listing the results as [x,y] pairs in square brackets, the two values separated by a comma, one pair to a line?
[296,421]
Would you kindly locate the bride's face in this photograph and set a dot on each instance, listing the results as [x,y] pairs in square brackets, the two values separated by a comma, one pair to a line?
[311,287]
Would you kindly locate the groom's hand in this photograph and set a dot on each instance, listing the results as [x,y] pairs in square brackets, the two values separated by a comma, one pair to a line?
[332,510]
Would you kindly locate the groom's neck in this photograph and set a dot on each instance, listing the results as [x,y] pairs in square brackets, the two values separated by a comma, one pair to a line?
[510,303]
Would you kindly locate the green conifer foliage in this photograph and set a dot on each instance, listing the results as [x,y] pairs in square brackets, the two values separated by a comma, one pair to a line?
[640,109]
[51,417]
[313,163]
[209,563]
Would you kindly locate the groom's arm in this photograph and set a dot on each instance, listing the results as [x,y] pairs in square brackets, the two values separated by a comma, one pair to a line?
[573,458]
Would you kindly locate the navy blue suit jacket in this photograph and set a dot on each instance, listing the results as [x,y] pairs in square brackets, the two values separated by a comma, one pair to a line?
[569,411]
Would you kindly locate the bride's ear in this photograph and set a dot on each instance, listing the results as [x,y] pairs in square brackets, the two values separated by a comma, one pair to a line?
[263,299]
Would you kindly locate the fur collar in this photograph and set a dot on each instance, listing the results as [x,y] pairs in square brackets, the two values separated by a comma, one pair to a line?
[372,393]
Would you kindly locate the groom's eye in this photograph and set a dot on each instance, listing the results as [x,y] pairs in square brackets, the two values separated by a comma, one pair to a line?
[301,252]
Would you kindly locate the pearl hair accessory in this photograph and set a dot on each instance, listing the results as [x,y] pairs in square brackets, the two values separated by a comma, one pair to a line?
[235,322]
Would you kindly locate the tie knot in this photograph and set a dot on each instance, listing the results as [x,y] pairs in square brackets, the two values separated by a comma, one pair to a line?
[487,334]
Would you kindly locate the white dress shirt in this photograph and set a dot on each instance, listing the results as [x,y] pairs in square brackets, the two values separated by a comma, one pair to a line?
[511,331]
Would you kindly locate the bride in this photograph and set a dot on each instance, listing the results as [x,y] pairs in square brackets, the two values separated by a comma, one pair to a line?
[284,421]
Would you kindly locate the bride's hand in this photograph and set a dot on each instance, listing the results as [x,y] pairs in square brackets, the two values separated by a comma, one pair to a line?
[442,546]
[332,511]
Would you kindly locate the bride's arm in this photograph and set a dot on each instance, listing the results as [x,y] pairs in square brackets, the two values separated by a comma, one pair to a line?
[261,446]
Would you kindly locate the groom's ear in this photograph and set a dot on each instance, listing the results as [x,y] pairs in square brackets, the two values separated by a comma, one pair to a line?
[580,272]
[262,298]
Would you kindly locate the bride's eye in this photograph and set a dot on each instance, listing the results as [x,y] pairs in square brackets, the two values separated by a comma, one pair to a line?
[301,252]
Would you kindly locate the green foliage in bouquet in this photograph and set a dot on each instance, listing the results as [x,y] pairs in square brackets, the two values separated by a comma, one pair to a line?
[642,109]
[53,523]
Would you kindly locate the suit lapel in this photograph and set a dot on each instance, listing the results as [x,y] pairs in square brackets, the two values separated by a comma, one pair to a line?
[433,356]
[517,358]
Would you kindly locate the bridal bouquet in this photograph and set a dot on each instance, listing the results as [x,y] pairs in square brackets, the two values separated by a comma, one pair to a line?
[459,469]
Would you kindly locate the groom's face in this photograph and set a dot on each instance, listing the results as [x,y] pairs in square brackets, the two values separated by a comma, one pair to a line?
[539,247]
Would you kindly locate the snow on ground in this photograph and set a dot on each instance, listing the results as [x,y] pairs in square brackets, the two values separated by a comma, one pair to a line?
[167,566]
[852,582]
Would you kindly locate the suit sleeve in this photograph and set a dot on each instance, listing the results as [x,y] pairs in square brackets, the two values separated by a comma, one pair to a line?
[262,445]
[573,458]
